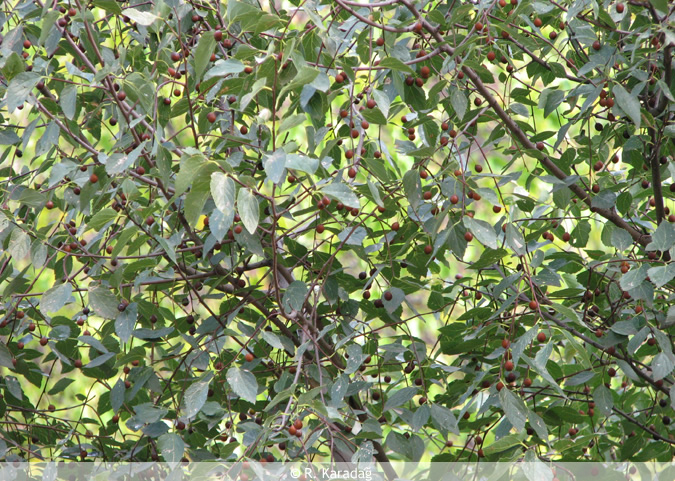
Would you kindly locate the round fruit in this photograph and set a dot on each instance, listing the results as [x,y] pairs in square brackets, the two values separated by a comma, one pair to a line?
[538,23]
[508,365]
[122,96]
[49,204]
[388,296]
[93,178]
[428,249]
[491,56]
[380,41]
[320,229]
[425,71]
[506,343]
[619,7]
[249,357]
[371,104]
[596,45]
[211,117]
[468,236]
[26,44]
[534,305]
[527,382]
[541,337]
[454,199]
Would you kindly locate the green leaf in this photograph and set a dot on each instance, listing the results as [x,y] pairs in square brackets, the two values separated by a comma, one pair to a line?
[20,88]
[661,275]
[202,54]
[603,400]
[628,103]
[662,365]
[663,237]
[412,187]
[342,193]
[243,383]
[633,278]
[8,137]
[621,239]
[189,167]
[374,116]
[257,87]
[196,199]
[400,397]
[142,18]
[459,102]
[550,99]
[248,210]
[398,296]
[68,101]
[502,444]
[275,165]
[101,218]
[196,395]
[125,322]
[103,302]
[60,386]
[515,239]
[290,122]
[19,244]
[56,297]
[483,231]
[514,408]
[395,64]
[444,419]
[108,5]
[294,297]
[302,163]
[223,190]
[6,356]
[118,163]
[224,67]
[488,258]
[172,447]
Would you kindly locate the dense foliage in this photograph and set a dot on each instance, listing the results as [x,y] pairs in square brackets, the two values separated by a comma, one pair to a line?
[333,230]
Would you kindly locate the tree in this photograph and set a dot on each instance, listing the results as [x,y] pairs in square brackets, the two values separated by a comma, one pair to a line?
[408,230]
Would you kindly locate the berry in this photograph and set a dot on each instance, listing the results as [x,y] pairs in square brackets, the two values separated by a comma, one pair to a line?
[541,337]
[534,305]
[249,357]
[468,236]
[26,44]
[508,365]
[371,104]
[93,178]
[380,41]
[619,7]
[211,117]
[428,249]
[538,23]
[596,45]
